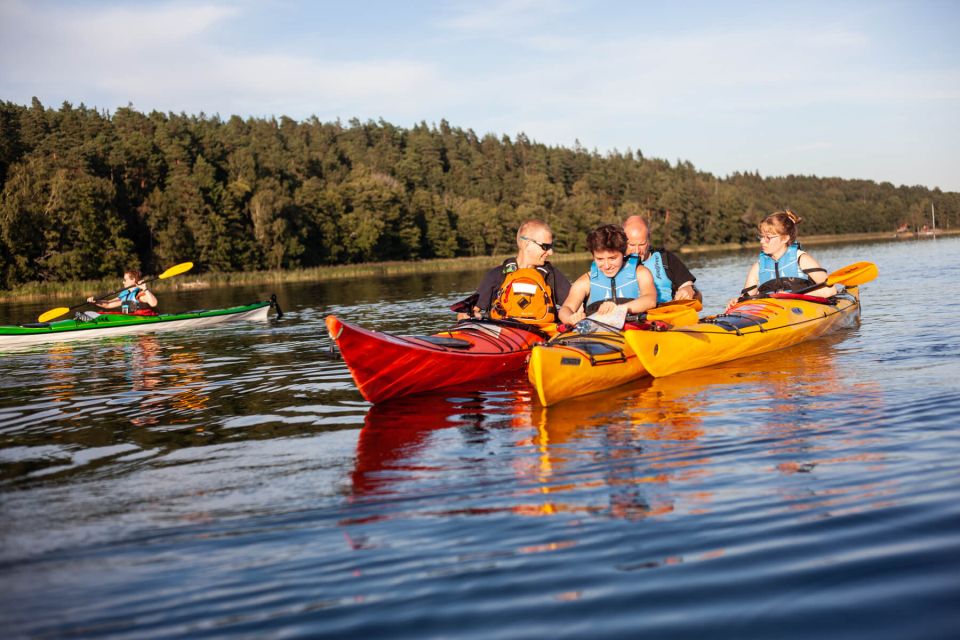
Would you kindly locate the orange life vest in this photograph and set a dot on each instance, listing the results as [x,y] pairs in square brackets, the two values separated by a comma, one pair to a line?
[524,295]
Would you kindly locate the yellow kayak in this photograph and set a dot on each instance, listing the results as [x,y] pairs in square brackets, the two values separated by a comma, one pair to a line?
[748,328]
[574,364]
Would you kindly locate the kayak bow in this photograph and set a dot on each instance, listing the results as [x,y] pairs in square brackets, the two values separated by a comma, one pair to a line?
[386,366]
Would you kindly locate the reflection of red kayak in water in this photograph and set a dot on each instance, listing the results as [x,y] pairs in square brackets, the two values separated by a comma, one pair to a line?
[395,433]
[386,366]
[392,435]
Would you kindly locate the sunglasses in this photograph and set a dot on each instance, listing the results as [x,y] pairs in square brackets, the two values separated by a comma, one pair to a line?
[768,238]
[546,246]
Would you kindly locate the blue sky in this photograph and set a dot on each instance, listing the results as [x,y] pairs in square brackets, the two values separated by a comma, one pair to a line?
[852,89]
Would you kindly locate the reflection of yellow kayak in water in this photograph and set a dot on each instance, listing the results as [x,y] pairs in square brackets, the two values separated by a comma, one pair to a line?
[748,328]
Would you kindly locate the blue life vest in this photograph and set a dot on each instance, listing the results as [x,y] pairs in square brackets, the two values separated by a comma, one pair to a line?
[621,287]
[128,300]
[661,280]
[788,266]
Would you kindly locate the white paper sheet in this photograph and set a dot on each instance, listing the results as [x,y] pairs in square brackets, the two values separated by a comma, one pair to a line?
[615,318]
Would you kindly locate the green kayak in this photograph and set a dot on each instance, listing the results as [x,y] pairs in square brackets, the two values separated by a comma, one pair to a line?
[93,325]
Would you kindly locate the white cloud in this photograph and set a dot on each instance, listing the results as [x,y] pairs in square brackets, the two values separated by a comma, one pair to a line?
[112,30]
[499,17]
[164,57]
[745,72]
[125,29]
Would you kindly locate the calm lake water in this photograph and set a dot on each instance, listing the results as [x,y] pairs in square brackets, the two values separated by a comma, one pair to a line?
[233,482]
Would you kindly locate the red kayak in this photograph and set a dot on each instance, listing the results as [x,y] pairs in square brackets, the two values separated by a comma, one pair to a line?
[386,366]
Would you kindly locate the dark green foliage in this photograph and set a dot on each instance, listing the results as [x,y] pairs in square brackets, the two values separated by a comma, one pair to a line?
[85,194]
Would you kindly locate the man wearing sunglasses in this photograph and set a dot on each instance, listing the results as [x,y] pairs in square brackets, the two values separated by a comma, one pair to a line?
[503,291]
[671,277]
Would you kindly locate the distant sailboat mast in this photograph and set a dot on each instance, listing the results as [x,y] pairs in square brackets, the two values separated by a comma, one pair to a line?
[933,218]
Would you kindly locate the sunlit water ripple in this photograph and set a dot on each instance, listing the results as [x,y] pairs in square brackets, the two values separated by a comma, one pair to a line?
[234,482]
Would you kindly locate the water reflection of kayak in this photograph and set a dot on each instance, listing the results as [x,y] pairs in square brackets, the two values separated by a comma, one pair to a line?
[748,328]
[386,366]
[398,431]
[113,324]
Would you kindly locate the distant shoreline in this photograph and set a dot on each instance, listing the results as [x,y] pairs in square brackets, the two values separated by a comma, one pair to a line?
[829,239]
[73,289]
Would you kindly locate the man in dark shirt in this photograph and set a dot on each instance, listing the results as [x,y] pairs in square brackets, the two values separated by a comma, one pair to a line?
[534,246]
[674,281]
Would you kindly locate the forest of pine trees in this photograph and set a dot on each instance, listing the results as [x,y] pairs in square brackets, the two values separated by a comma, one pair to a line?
[86,194]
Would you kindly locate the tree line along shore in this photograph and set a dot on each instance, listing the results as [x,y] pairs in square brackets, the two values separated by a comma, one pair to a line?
[87,194]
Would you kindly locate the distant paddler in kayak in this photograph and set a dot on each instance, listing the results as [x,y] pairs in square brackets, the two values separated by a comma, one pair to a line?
[526,288]
[131,280]
[782,264]
[614,279]
[670,275]
[135,297]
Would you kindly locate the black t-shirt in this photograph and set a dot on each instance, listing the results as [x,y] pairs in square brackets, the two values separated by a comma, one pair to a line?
[559,284]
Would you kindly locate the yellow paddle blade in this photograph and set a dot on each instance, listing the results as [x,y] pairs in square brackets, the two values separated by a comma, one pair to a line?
[47,316]
[676,312]
[682,320]
[854,274]
[696,305]
[176,270]
[677,315]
